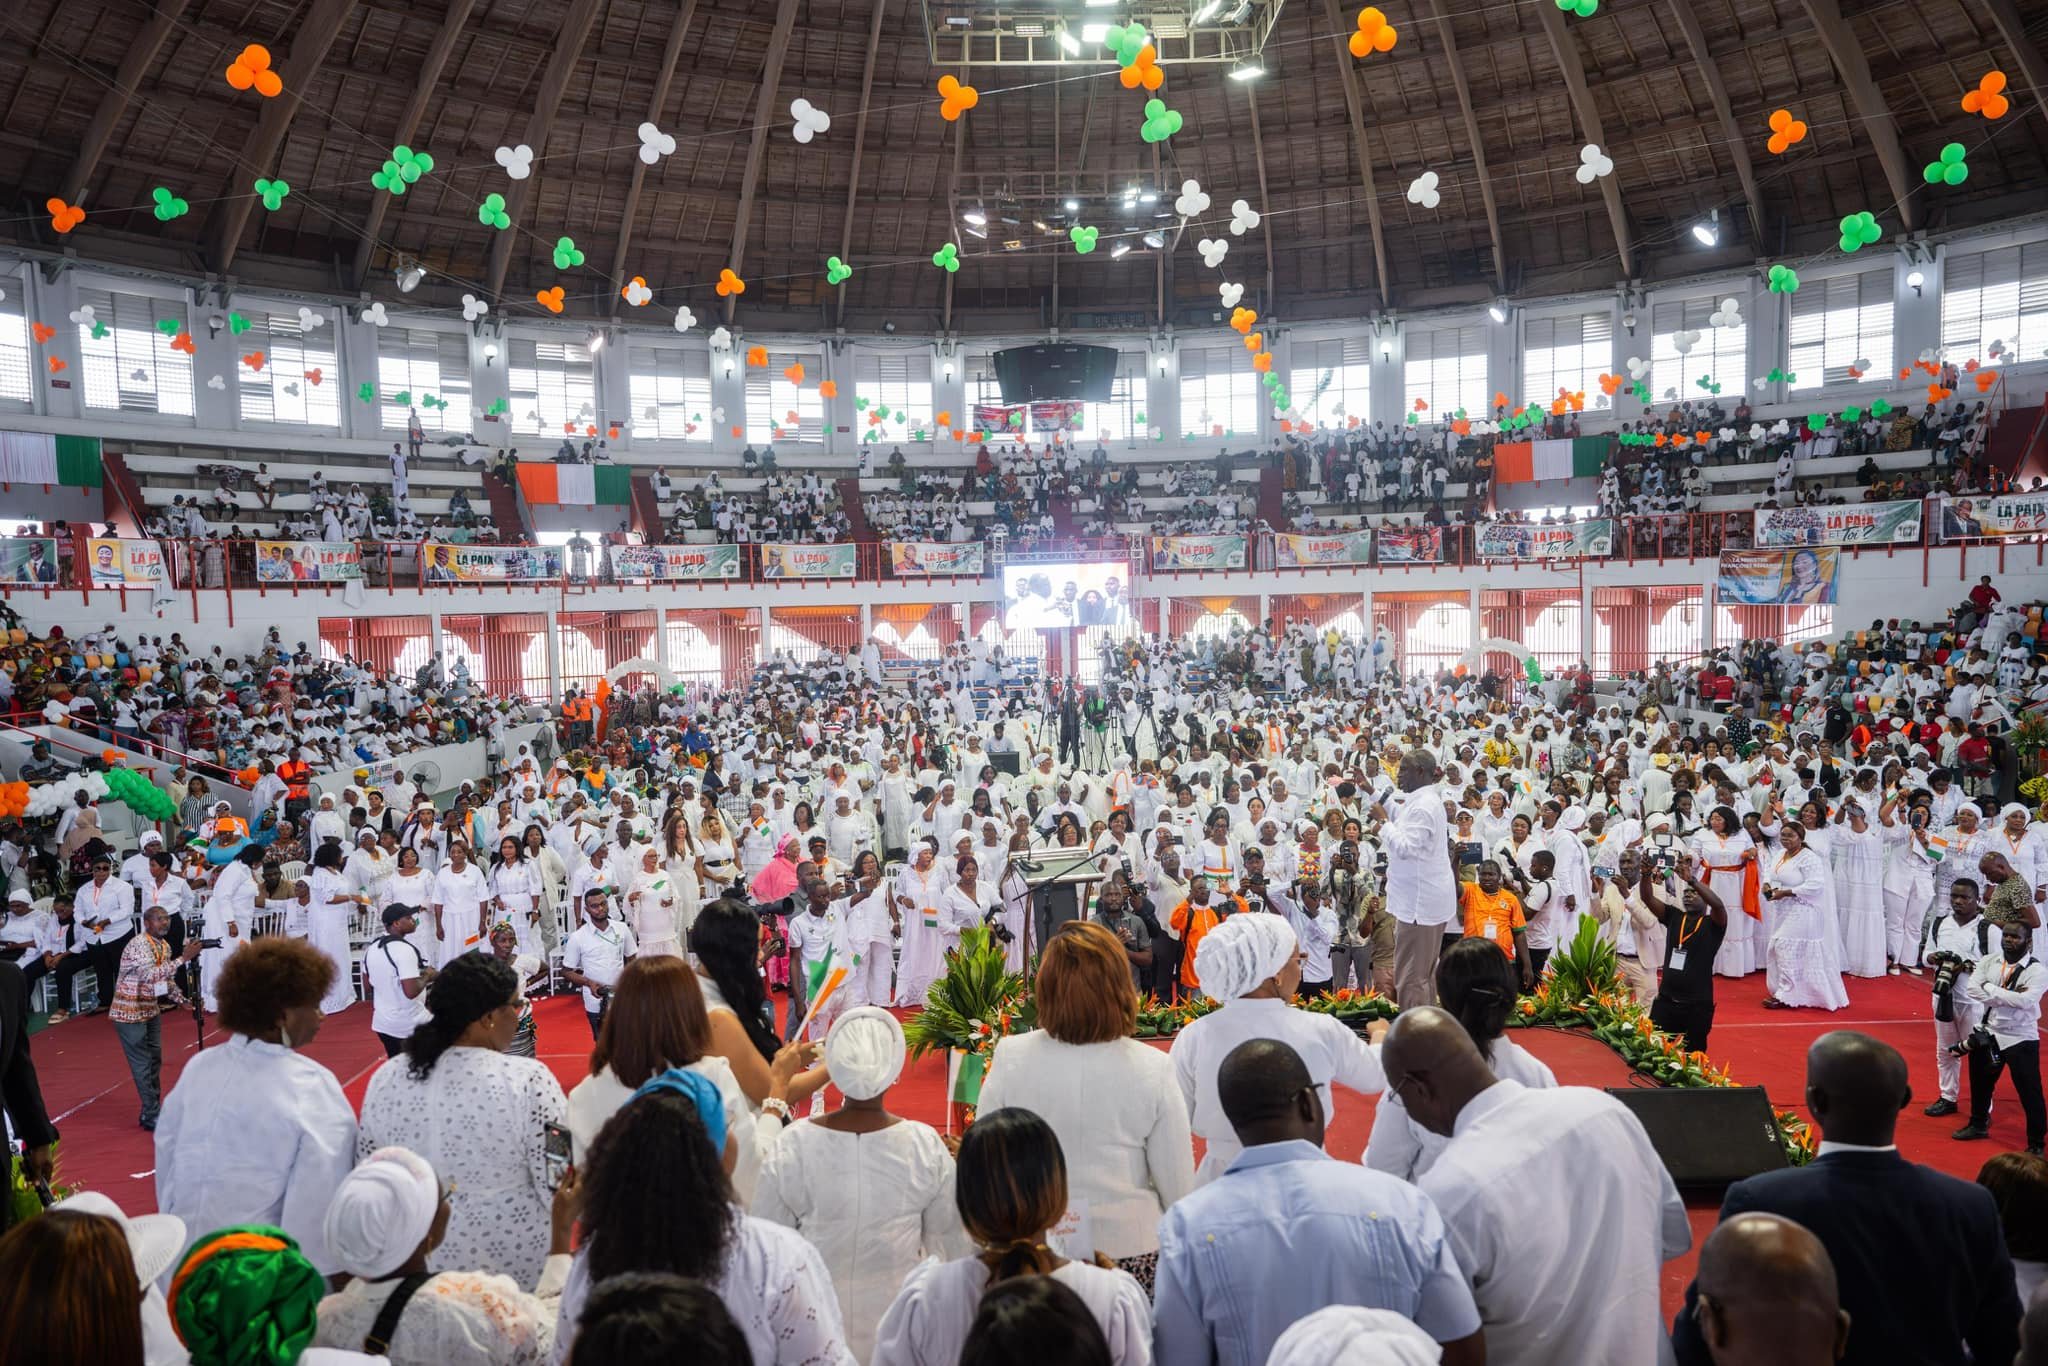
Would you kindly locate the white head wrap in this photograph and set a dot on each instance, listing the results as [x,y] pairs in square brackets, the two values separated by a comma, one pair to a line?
[1345,1335]
[864,1052]
[2011,809]
[1572,818]
[381,1212]
[1243,951]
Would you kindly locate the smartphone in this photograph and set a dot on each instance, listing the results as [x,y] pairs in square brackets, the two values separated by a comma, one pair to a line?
[555,1152]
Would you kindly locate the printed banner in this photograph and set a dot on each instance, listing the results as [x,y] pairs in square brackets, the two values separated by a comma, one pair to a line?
[779,561]
[1410,545]
[1771,577]
[28,559]
[994,418]
[1514,541]
[932,557]
[308,561]
[675,562]
[443,562]
[137,564]
[1197,552]
[1855,524]
[1964,519]
[1296,551]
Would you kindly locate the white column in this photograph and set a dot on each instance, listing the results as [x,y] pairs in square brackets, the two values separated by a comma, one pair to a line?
[434,643]
[1589,634]
[1504,363]
[1916,314]
[554,643]
[1389,388]
[1478,633]
[613,384]
[52,303]
[1162,396]
[949,395]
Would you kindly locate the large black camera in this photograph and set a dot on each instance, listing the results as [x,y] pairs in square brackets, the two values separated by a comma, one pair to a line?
[1978,1039]
[1947,968]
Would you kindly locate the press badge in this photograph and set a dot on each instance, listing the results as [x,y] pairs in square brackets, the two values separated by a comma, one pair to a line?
[1677,963]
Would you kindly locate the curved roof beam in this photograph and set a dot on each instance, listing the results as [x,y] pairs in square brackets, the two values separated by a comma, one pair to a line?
[1357,119]
[1717,91]
[135,64]
[860,137]
[1883,130]
[2013,29]
[1573,68]
[409,125]
[568,50]
[1464,91]
[764,115]
[670,55]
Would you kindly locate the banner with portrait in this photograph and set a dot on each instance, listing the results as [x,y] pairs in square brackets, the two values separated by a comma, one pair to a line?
[936,557]
[28,559]
[674,563]
[1410,545]
[1197,552]
[1570,540]
[780,561]
[2019,514]
[1297,550]
[1895,523]
[446,562]
[308,561]
[1765,578]
[133,564]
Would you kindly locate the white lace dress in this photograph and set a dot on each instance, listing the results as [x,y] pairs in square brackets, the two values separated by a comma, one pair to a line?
[1802,966]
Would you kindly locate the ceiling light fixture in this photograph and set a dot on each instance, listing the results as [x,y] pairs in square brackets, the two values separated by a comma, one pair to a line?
[1073,205]
[1708,234]
[1498,311]
[1149,197]
[1093,33]
[1154,240]
[409,273]
[1030,28]
[1914,281]
[1120,249]
[1247,71]
[974,216]
[1241,13]
[982,233]
[1208,10]
[596,341]
[1069,43]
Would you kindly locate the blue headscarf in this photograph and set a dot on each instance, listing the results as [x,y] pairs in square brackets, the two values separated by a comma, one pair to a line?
[699,1092]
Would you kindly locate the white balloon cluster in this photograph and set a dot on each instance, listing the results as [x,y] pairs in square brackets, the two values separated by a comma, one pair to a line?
[52,798]
[1423,190]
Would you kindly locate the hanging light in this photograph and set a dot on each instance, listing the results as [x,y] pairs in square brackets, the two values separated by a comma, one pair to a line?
[409,273]
[1498,310]
[1708,234]
[1247,71]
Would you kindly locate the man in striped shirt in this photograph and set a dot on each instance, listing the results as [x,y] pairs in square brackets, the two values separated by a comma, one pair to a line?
[142,989]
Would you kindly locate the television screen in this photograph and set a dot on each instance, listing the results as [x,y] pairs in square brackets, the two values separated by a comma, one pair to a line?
[1051,596]
[1062,373]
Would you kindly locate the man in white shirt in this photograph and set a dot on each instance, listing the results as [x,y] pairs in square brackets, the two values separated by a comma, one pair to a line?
[398,975]
[1422,895]
[104,910]
[1559,1210]
[2009,984]
[595,955]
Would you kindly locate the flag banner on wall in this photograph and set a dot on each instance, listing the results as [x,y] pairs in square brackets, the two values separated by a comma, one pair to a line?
[28,559]
[38,458]
[545,483]
[808,561]
[1778,577]
[1197,552]
[133,563]
[1410,545]
[308,561]
[1572,540]
[1856,524]
[1528,462]
[446,563]
[672,563]
[1964,519]
[936,557]
[1296,551]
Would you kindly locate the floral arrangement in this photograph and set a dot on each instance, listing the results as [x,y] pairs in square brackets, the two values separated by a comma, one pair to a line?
[976,1001]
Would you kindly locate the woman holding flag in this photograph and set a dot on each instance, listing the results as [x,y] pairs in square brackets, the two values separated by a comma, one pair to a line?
[651,907]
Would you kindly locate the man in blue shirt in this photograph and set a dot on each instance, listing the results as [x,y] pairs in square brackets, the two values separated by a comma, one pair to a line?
[1286,1231]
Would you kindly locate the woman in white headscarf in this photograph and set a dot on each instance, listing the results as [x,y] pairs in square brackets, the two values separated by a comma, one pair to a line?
[387,1217]
[1573,876]
[1347,1335]
[873,1192]
[1251,962]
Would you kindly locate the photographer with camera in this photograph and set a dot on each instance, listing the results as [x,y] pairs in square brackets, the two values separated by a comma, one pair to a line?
[1364,944]
[1114,913]
[1957,941]
[142,992]
[2009,984]
[1192,921]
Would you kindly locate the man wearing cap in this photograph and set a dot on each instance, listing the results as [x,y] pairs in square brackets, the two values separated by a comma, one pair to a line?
[142,990]
[397,975]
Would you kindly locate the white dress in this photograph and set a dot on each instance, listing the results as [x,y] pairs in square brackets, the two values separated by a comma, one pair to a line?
[1859,900]
[327,931]
[928,1323]
[651,911]
[478,1117]
[874,1205]
[1742,949]
[925,932]
[1401,1147]
[1801,965]
[415,889]
[517,886]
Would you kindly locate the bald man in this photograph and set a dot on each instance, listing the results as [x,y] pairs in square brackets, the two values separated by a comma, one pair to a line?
[1556,1205]
[1923,1268]
[1767,1295]
[1422,893]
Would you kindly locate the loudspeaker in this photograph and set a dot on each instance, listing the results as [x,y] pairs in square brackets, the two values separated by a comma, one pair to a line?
[1065,373]
[1707,1137]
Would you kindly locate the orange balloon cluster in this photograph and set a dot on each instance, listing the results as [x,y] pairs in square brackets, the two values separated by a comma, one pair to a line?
[252,68]
[1610,385]
[955,98]
[794,373]
[13,799]
[183,342]
[313,377]
[1374,33]
[58,365]
[1986,379]
[1937,393]
[729,284]
[254,360]
[1254,341]
[828,388]
[757,355]
[1989,98]
[1242,319]
[64,217]
[1421,405]
[550,299]
[1144,71]
[42,332]
[1785,131]
[1461,426]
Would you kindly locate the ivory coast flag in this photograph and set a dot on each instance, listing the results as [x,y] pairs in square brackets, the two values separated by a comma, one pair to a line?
[1528,462]
[544,483]
[822,978]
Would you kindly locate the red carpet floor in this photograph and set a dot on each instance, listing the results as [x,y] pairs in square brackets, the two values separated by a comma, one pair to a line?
[89,1092]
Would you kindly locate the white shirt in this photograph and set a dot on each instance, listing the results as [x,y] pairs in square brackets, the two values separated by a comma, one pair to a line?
[599,954]
[389,964]
[1420,888]
[2011,993]
[1401,1147]
[1328,1048]
[1574,1162]
[113,902]
[928,1323]
[254,1133]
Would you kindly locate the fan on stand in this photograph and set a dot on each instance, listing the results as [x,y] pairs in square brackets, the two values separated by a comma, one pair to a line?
[427,774]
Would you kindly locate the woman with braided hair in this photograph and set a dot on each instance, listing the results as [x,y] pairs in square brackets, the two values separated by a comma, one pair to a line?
[459,1100]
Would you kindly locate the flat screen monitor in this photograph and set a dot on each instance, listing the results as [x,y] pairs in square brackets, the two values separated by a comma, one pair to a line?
[1053,596]
[1062,373]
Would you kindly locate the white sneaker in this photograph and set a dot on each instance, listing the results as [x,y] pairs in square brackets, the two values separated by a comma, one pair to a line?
[1893,970]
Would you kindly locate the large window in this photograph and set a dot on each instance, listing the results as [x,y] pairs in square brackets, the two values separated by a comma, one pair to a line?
[131,367]
[552,383]
[1999,295]
[1332,380]
[1219,388]
[900,381]
[300,382]
[670,390]
[1446,368]
[1836,323]
[772,397]
[1568,353]
[15,375]
[1721,355]
[418,361]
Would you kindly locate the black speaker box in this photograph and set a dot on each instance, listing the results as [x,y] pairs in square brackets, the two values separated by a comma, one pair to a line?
[1707,1137]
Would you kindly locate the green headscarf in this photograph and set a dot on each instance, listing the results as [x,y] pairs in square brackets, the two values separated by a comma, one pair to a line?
[246,1296]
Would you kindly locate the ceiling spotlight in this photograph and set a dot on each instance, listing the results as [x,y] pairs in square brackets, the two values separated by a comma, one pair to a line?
[959,21]
[982,233]
[409,273]
[1247,71]
[974,216]
[1708,234]
[1120,249]
[1498,311]
[490,352]
[1208,9]
[597,341]
[1030,28]
[1149,197]
[1241,13]
[1100,4]
[1914,280]
[1154,240]
[1093,33]
[1069,43]
[1039,223]
[1073,205]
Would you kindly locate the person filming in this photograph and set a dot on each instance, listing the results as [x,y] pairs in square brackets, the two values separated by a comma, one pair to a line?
[2009,984]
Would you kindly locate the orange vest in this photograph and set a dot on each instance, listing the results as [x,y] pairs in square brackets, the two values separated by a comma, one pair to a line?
[293,772]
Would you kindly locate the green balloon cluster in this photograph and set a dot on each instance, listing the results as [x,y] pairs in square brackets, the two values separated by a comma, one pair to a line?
[1161,123]
[860,405]
[170,327]
[497,408]
[1784,280]
[1126,42]
[1706,382]
[403,398]
[1778,376]
[1859,230]
[168,205]
[1083,238]
[404,167]
[99,330]
[836,271]
[237,324]
[1880,409]
[272,193]
[1585,9]
[1852,414]
[1948,169]
[140,795]
[567,253]
[1532,670]
[947,258]
[366,392]
[491,213]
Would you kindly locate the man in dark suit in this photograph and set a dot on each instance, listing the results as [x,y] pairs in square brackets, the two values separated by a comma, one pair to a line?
[20,1094]
[1921,1261]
